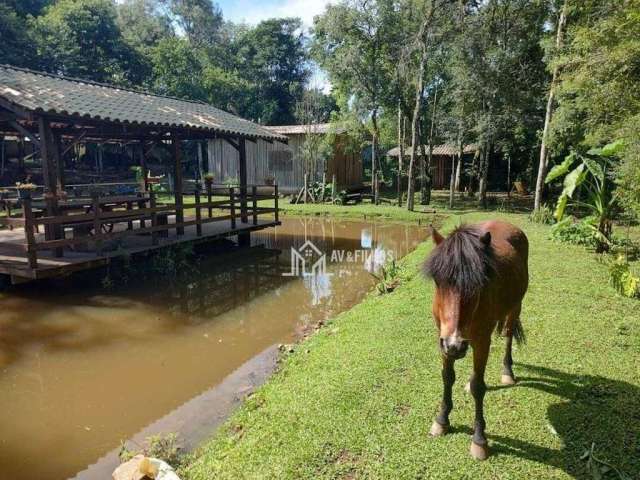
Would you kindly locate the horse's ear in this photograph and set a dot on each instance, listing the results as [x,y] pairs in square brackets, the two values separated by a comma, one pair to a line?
[486,239]
[437,238]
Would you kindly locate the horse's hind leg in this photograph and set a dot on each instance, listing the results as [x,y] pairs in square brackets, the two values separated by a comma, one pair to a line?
[441,423]
[508,378]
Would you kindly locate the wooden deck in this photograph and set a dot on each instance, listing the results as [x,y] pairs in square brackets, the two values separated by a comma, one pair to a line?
[49,246]
[14,260]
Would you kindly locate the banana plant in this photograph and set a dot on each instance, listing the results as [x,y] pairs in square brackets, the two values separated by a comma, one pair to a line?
[590,173]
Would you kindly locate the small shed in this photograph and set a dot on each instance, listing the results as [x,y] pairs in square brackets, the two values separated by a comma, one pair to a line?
[285,162]
[440,160]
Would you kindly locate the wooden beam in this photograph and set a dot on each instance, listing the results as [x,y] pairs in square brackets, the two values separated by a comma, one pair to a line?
[242,149]
[232,143]
[34,139]
[177,155]
[50,180]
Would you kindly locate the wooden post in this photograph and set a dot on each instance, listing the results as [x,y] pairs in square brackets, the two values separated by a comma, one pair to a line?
[130,222]
[143,167]
[59,160]
[27,213]
[199,146]
[333,188]
[50,154]
[232,206]
[324,185]
[97,224]
[275,198]
[177,182]
[254,193]
[242,146]
[198,215]
[209,193]
[154,216]
[306,191]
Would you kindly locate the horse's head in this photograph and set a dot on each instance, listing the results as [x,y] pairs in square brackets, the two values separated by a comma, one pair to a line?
[460,266]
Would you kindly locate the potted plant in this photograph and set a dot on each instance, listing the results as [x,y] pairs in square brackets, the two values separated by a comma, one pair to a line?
[270,180]
[208,179]
[25,190]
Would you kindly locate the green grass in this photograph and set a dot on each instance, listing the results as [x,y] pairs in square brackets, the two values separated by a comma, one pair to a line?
[357,399]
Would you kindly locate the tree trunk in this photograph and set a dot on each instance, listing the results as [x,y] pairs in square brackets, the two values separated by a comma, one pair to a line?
[422,36]
[422,139]
[455,171]
[452,180]
[374,156]
[542,166]
[401,154]
[456,187]
[414,133]
[484,175]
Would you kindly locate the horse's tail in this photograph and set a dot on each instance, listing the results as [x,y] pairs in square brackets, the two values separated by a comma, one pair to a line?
[517,330]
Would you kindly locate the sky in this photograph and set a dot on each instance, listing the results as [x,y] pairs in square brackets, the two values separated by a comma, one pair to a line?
[254,11]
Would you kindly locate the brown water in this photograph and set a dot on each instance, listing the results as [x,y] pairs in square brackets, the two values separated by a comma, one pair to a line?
[83,367]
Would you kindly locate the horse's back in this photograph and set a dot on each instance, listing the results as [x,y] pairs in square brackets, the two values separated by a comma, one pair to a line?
[511,250]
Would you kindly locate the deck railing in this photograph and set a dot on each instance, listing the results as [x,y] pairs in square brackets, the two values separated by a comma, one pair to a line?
[137,215]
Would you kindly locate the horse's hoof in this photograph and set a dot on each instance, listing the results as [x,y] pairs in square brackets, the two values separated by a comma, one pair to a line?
[507,380]
[479,452]
[438,430]
[467,387]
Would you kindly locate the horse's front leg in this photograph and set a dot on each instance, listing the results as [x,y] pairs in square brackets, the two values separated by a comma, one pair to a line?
[441,423]
[479,448]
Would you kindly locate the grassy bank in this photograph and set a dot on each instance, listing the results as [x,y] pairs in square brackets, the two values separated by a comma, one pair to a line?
[357,399]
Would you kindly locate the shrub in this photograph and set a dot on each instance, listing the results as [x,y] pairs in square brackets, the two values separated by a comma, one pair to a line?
[576,232]
[543,216]
[621,278]
[164,447]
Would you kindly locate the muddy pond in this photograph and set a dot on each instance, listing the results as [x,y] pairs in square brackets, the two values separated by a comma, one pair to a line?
[86,363]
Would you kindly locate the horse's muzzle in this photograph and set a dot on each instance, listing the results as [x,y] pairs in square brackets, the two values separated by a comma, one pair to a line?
[454,347]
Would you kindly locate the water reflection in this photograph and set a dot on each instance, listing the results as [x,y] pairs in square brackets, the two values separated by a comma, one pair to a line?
[82,367]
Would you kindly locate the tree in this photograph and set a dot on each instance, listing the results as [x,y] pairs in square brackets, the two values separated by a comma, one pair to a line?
[177,69]
[200,20]
[81,38]
[23,8]
[422,39]
[272,57]
[143,24]
[542,163]
[350,42]
[15,47]
[598,94]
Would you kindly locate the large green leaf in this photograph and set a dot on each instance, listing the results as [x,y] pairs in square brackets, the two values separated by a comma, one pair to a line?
[573,180]
[595,168]
[560,207]
[613,149]
[561,169]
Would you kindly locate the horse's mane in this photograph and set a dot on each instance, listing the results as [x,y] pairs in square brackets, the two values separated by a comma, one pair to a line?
[463,262]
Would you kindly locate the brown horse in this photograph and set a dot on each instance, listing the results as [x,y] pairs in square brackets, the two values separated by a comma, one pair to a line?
[481,276]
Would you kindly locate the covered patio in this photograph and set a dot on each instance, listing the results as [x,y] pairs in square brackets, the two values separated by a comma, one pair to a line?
[49,227]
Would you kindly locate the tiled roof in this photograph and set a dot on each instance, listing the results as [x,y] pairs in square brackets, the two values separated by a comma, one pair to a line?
[446,149]
[302,129]
[45,93]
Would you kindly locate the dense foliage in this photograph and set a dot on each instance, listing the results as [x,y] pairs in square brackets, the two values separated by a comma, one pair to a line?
[182,48]
[410,72]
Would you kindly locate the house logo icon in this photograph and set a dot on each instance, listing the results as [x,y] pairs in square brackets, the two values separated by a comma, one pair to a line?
[307,261]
